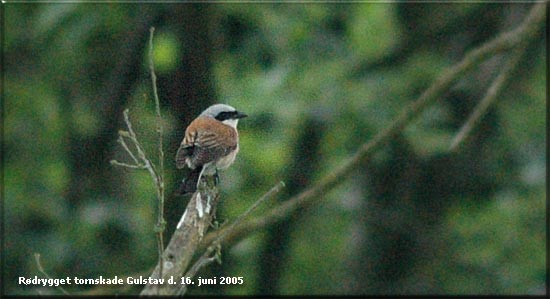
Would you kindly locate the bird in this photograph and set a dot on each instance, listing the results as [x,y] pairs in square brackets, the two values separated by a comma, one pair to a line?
[211,143]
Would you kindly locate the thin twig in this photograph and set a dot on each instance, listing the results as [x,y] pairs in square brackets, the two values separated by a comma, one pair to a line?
[489,97]
[206,259]
[503,42]
[134,166]
[160,175]
[125,146]
[133,137]
[274,190]
[41,269]
[157,176]
[203,261]
[140,150]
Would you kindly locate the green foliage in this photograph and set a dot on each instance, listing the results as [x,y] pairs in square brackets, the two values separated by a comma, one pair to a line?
[166,52]
[501,243]
[324,231]
[374,30]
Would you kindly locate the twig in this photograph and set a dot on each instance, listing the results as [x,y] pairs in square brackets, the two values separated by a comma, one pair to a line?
[488,99]
[139,148]
[122,164]
[125,146]
[203,261]
[142,162]
[41,269]
[206,259]
[147,164]
[160,181]
[503,42]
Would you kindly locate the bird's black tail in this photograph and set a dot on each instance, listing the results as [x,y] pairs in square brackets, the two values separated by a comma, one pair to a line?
[189,184]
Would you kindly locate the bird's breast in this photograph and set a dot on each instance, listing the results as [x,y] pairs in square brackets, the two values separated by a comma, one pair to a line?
[226,161]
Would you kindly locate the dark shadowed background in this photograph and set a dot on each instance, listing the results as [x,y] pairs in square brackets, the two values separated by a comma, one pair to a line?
[317,81]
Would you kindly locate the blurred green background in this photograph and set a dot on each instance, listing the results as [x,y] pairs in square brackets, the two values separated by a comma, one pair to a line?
[317,80]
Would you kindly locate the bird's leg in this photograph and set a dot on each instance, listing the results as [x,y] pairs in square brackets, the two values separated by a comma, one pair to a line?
[200,176]
[216,178]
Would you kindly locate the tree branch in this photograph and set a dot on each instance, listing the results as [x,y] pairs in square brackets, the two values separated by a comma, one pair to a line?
[143,162]
[503,42]
[188,236]
[206,258]
[488,99]
[161,223]
[184,242]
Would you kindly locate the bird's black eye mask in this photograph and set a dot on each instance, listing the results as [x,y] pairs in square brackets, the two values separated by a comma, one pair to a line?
[230,115]
[225,115]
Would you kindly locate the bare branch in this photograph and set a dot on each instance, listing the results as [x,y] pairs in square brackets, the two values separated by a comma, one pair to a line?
[160,176]
[134,166]
[147,164]
[503,42]
[125,146]
[186,239]
[274,190]
[190,231]
[203,261]
[156,176]
[488,99]
[206,258]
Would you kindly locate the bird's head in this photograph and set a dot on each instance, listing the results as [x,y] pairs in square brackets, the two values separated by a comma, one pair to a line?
[224,113]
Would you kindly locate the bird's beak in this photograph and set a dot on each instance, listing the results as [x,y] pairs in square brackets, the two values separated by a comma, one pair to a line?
[240,115]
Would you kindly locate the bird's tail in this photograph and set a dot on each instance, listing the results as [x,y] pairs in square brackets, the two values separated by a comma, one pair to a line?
[189,184]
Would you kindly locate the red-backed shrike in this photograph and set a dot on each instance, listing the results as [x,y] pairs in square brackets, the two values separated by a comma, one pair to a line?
[211,142]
